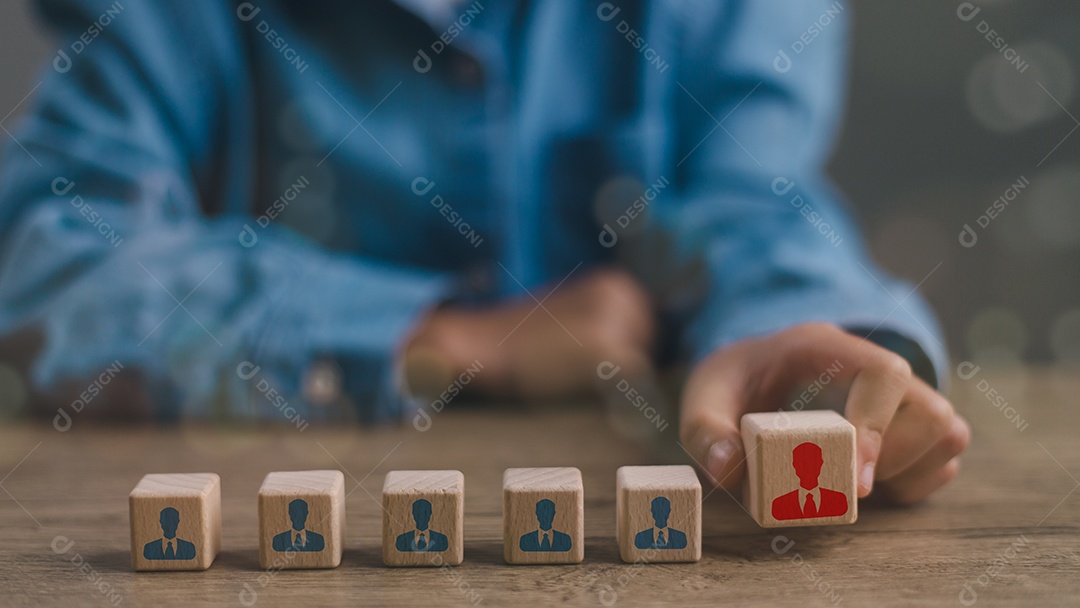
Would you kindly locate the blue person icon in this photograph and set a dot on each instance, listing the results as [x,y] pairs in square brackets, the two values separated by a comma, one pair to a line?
[421,538]
[660,536]
[298,538]
[168,546]
[545,538]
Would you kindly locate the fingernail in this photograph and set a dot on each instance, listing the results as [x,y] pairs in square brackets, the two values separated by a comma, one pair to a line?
[866,477]
[719,456]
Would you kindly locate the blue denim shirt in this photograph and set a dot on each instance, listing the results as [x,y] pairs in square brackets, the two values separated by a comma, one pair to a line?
[218,194]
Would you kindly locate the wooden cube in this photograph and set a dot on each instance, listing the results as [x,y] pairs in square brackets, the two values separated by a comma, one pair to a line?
[175,521]
[543,516]
[800,468]
[302,519]
[658,514]
[423,518]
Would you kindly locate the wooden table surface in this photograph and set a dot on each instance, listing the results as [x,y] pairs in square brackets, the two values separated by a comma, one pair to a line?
[1006,528]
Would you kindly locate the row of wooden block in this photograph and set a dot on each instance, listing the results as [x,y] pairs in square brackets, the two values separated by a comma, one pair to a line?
[176,518]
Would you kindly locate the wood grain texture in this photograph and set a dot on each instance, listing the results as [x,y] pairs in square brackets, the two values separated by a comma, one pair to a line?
[677,492]
[524,489]
[772,443]
[444,492]
[192,502]
[64,515]
[323,495]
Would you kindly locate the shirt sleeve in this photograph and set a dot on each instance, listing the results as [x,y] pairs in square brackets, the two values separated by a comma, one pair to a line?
[761,88]
[108,248]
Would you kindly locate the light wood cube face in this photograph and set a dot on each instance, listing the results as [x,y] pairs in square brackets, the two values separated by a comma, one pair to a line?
[658,514]
[175,521]
[302,519]
[423,518]
[800,468]
[543,516]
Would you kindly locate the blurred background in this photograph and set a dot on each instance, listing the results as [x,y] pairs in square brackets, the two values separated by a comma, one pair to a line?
[940,124]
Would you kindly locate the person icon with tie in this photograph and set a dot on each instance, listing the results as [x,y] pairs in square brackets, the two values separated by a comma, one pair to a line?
[168,546]
[421,538]
[660,536]
[298,538]
[545,538]
[809,500]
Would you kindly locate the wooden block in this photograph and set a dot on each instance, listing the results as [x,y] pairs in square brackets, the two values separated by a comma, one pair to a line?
[543,516]
[423,518]
[800,468]
[658,514]
[175,521]
[302,519]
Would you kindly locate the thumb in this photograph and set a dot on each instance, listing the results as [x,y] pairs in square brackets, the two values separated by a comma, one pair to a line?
[712,405]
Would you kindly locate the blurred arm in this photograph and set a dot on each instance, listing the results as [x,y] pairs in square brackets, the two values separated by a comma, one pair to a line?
[778,247]
[108,248]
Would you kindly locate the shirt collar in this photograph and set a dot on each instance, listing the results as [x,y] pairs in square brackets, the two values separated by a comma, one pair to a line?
[302,533]
[817,496]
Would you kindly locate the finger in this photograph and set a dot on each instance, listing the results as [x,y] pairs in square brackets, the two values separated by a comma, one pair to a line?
[917,488]
[931,471]
[924,417]
[709,420]
[879,379]
[874,397]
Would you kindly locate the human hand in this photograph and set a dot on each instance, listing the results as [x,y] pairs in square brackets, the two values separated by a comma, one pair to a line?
[527,352]
[908,436]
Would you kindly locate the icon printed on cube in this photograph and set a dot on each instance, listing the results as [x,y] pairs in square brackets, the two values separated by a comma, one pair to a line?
[809,499]
[169,546]
[543,516]
[658,514]
[302,519]
[421,537]
[545,538]
[175,521]
[423,518]
[299,538]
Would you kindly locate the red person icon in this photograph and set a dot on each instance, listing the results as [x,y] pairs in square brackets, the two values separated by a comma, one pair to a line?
[809,500]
